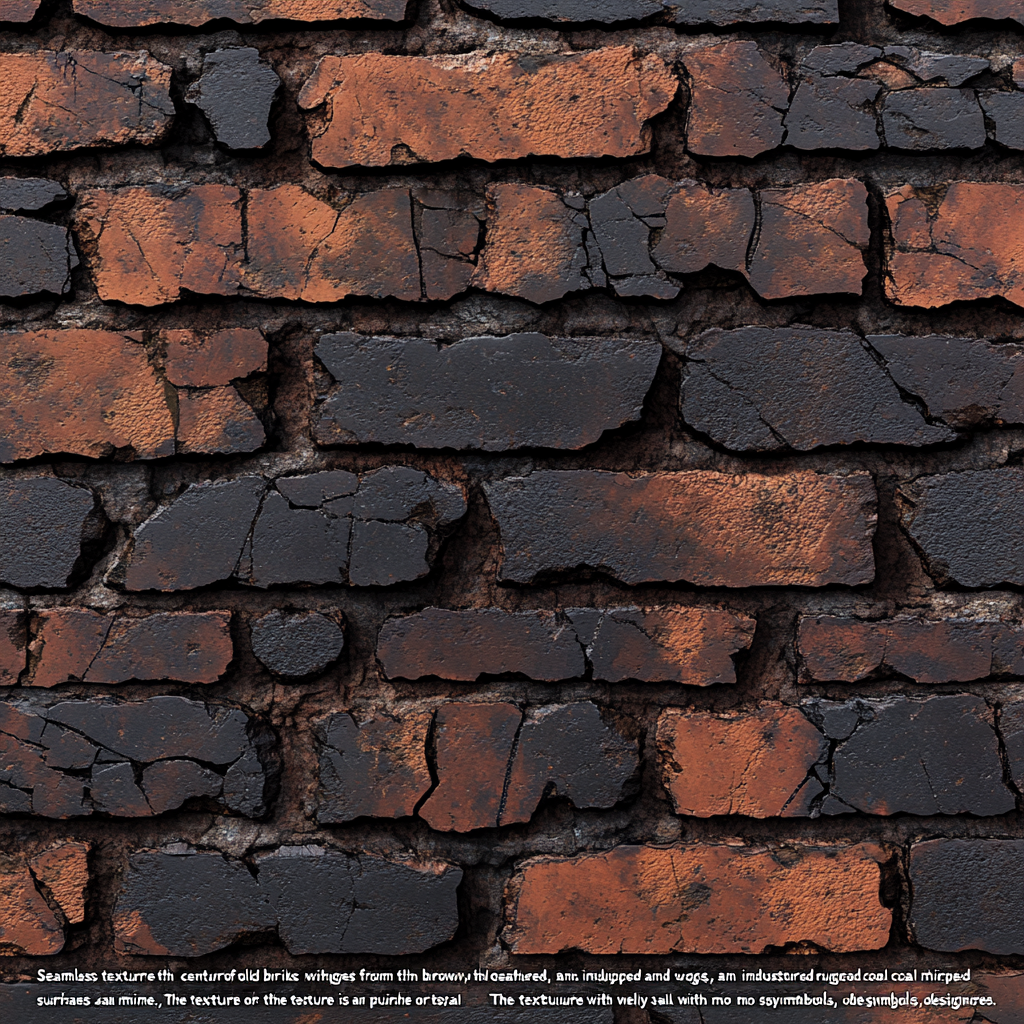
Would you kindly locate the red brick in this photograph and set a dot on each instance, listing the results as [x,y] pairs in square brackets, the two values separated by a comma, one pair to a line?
[64,871]
[205,360]
[699,899]
[709,528]
[13,644]
[926,650]
[811,240]
[59,101]
[149,243]
[752,763]
[137,13]
[76,643]
[383,109]
[737,101]
[18,10]
[217,420]
[957,242]
[28,927]
[952,12]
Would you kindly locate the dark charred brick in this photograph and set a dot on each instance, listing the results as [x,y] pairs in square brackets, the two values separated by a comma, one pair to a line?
[21,194]
[235,92]
[138,13]
[480,641]
[60,101]
[968,894]
[168,784]
[13,644]
[839,58]
[187,905]
[754,763]
[488,393]
[375,768]
[34,257]
[448,241]
[934,756]
[197,539]
[934,118]
[1011,728]
[18,10]
[762,388]
[968,525]
[376,906]
[737,101]
[113,789]
[951,12]
[296,645]
[314,490]
[962,381]
[928,651]
[486,105]
[76,643]
[705,527]
[200,360]
[474,743]
[41,524]
[698,899]
[1006,112]
[570,752]
[811,240]
[952,68]
[693,12]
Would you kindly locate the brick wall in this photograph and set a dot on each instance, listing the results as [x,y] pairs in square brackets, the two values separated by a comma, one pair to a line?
[512,484]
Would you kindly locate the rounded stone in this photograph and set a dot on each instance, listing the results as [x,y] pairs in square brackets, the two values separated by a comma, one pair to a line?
[296,644]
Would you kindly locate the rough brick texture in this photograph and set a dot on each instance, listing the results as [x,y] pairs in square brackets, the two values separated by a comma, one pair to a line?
[137,13]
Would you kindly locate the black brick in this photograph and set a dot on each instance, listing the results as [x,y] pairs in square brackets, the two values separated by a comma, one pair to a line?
[936,118]
[236,91]
[19,194]
[34,257]
[296,645]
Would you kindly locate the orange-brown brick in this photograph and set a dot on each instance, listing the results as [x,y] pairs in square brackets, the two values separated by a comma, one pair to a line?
[64,870]
[699,899]
[58,101]
[383,109]
[204,360]
[752,763]
[18,10]
[137,13]
[952,12]
[960,243]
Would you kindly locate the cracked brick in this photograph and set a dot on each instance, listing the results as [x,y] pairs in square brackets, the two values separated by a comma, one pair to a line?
[737,101]
[298,644]
[236,91]
[448,241]
[64,871]
[939,755]
[952,12]
[18,195]
[933,118]
[968,894]
[953,68]
[698,899]
[762,388]
[42,520]
[34,257]
[61,101]
[693,12]
[139,13]
[382,109]
[1006,112]
[194,359]
[959,242]
[989,549]
[13,644]
[709,528]
[947,650]
[493,394]
[374,767]
[755,763]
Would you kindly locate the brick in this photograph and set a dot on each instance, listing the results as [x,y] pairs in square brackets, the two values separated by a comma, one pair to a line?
[763,388]
[29,194]
[534,245]
[737,101]
[200,360]
[296,645]
[34,257]
[939,755]
[987,553]
[697,12]
[217,421]
[758,763]
[302,248]
[28,927]
[811,240]
[370,531]
[965,382]
[236,91]
[60,101]
[64,871]
[698,899]
[679,645]
[709,528]
[18,10]
[953,68]
[835,647]
[485,105]
[79,644]
[376,906]
[138,13]
[374,768]
[1005,111]
[13,644]
[448,239]
[484,641]
[1011,729]
[187,238]
[41,524]
[968,894]
[488,393]
[952,12]
[934,118]
[959,242]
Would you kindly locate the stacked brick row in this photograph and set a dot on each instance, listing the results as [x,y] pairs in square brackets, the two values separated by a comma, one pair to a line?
[512,478]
